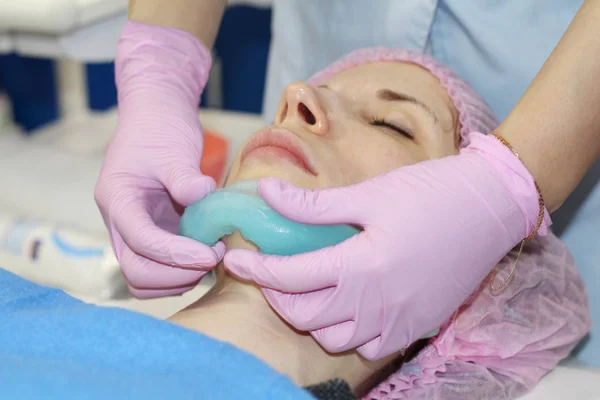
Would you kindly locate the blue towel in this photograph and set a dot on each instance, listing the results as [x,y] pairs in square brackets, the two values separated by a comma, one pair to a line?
[53,346]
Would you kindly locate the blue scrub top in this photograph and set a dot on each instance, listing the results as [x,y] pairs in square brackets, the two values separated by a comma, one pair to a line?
[496,46]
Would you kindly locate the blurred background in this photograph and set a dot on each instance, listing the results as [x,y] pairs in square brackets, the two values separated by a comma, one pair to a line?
[56,59]
[57,114]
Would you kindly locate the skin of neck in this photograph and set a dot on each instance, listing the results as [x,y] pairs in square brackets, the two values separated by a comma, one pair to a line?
[236,312]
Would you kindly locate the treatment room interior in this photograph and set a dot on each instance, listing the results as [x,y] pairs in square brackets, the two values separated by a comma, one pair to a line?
[58,112]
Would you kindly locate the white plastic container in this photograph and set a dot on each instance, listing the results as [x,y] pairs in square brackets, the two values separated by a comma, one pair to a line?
[60,257]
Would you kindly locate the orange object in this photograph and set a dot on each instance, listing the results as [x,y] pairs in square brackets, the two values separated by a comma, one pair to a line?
[214,155]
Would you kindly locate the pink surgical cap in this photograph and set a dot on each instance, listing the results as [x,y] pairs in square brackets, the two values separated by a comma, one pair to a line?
[500,346]
[473,113]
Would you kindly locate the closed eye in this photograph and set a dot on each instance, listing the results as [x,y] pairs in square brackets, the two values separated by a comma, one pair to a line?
[397,129]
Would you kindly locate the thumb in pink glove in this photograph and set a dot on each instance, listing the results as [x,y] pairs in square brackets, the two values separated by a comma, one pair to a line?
[152,166]
[432,232]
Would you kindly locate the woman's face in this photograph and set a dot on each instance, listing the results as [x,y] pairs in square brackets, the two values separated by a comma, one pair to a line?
[364,121]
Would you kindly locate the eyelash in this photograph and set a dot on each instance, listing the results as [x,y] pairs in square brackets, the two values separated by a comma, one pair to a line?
[384,123]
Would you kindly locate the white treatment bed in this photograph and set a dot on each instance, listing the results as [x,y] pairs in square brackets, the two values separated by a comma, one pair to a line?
[72,161]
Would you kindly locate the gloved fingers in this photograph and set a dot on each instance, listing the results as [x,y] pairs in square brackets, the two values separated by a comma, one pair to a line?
[301,311]
[219,249]
[304,311]
[340,318]
[142,235]
[371,350]
[301,273]
[338,205]
[342,323]
[187,185]
[156,293]
[328,319]
[393,337]
[337,338]
[143,274]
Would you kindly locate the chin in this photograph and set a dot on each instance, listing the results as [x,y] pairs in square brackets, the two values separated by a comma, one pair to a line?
[237,241]
[288,173]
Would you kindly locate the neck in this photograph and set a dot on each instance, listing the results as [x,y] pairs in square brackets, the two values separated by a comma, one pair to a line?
[238,313]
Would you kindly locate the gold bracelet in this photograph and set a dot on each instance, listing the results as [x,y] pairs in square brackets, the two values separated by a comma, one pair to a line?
[499,289]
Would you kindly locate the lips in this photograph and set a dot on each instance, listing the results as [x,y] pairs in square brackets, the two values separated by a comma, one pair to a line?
[280,144]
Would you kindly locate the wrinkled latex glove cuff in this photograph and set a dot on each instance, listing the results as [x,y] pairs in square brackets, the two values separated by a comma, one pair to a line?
[174,61]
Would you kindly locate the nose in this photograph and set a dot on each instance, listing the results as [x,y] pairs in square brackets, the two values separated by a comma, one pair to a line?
[300,104]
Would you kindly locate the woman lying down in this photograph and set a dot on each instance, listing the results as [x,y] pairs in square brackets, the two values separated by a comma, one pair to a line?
[374,111]
[371,112]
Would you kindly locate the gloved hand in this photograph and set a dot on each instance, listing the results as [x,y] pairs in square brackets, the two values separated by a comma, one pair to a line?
[432,232]
[152,166]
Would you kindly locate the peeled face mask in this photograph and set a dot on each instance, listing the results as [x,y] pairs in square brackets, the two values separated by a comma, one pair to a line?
[238,207]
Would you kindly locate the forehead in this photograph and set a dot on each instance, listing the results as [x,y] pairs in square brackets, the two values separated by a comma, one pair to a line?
[406,78]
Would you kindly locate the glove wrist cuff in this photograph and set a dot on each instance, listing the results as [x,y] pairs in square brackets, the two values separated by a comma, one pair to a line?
[521,184]
[541,204]
[517,180]
[152,57]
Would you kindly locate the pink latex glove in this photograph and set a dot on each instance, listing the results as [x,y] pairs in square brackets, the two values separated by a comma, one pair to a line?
[152,166]
[432,232]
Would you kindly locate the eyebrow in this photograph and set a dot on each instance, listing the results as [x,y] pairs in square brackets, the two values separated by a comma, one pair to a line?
[390,95]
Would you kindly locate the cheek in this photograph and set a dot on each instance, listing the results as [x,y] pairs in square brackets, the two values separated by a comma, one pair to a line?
[390,158]
[443,148]
[253,168]
[379,155]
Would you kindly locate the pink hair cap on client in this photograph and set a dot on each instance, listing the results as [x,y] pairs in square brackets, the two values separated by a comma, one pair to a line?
[495,346]
[474,114]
